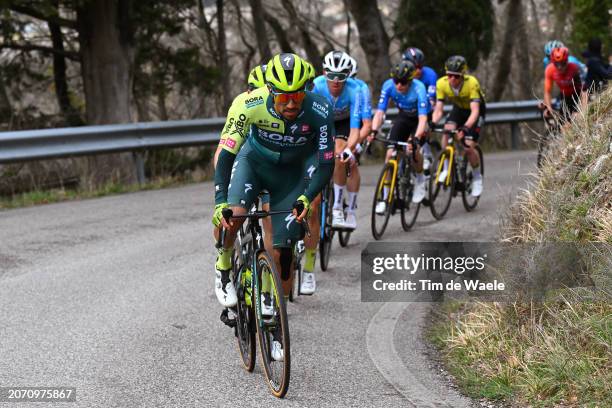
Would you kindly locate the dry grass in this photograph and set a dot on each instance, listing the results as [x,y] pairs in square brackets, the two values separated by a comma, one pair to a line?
[557,352]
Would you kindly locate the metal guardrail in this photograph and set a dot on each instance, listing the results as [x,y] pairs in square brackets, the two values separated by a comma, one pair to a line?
[32,145]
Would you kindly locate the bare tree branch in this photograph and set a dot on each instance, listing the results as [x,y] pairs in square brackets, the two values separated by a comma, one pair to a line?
[279,31]
[75,56]
[312,51]
[55,19]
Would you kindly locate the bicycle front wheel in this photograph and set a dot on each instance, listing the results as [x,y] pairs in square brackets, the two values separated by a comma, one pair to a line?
[409,211]
[380,219]
[469,201]
[441,192]
[273,330]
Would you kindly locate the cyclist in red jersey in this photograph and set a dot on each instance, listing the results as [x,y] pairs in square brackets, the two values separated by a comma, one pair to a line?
[567,77]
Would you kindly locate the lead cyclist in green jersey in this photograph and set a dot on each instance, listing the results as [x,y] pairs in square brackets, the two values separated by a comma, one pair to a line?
[271,136]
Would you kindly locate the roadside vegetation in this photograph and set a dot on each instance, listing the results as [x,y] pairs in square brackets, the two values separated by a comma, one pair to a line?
[555,352]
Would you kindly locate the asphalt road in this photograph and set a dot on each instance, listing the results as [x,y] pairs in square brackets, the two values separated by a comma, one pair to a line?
[114,296]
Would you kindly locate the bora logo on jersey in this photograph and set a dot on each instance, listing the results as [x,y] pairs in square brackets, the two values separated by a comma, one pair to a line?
[257,100]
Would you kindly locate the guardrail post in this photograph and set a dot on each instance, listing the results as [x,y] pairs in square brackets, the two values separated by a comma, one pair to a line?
[140,168]
[514,130]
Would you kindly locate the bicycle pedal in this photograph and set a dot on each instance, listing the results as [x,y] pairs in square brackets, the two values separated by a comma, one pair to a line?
[228,321]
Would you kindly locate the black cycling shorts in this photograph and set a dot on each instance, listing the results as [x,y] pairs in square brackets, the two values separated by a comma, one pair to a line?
[459,116]
[403,127]
[343,128]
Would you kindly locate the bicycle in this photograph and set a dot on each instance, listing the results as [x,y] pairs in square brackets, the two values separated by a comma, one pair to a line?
[399,178]
[327,232]
[344,234]
[552,124]
[459,177]
[253,272]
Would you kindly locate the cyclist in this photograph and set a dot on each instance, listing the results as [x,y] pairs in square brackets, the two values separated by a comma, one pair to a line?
[468,112]
[429,78]
[423,73]
[567,77]
[551,45]
[599,72]
[271,137]
[410,97]
[343,94]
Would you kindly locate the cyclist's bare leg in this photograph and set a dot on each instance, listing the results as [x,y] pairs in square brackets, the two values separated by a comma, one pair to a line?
[286,283]
[472,153]
[353,182]
[314,221]
[267,227]
[339,167]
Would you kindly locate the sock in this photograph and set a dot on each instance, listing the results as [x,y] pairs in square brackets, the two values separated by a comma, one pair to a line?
[476,172]
[426,149]
[352,198]
[224,259]
[420,177]
[446,165]
[385,193]
[309,259]
[338,193]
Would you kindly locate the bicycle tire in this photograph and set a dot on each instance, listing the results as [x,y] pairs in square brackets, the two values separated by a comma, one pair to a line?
[408,219]
[325,243]
[377,233]
[278,383]
[435,188]
[469,202]
[344,237]
[245,320]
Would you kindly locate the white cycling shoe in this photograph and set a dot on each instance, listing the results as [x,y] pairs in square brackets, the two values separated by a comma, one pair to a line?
[477,186]
[277,351]
[266,305]
[308,284]
[350,221]
[381,207]
[418,194]
[224,288]
[442,176]
[338,219]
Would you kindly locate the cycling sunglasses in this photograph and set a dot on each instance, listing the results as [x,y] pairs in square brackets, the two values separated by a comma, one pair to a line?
[456,76]
[340,76]
[403,81]
[285,97]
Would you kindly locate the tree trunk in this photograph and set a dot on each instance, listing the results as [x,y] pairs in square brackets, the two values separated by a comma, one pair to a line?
[107,56]
[373,39]
[347,48]
[257,11]
[6,111]
[70,113]
[280,32]
[223,59]
[312,51]
[504,64]
[522,55]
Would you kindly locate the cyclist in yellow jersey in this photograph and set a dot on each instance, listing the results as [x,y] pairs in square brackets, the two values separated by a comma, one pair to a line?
[467,115]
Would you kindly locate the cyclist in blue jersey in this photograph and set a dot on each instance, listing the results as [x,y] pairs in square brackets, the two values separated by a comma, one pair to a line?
[551,45]
[365,105]
[424,74]
[410,97]
[429,78]
[343,94]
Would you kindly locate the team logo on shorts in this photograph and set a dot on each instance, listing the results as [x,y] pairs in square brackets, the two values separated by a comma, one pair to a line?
[306,128]
[328,155]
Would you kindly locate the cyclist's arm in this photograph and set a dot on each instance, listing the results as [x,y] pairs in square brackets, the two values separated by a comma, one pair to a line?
[379,116]
[422,126]
[223,172]
[438,111]
[548,84]
[475,112]
[355,119]
[366,128]
[321,177]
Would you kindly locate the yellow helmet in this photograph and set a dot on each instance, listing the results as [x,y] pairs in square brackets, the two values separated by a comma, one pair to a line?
[287,73]
[257,77]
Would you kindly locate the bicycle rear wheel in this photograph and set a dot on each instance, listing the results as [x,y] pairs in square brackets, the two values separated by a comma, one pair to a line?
[380,221]
[470,202]
[325,241]
[441,193]
[273,329]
